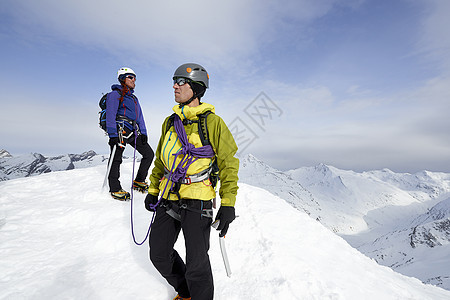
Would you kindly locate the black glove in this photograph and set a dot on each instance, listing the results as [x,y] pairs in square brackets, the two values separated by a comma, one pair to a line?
[226,216]
[150,200]
[144,139]
[113,141]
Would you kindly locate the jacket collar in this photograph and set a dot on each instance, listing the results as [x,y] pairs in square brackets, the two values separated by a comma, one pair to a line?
[190,113]
[118,87]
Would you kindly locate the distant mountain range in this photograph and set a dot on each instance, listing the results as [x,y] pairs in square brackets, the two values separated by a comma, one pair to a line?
[32,164]
[401,220]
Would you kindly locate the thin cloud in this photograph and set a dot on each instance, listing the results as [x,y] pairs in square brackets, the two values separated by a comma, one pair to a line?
[218,31]
[404,132]
[434,41]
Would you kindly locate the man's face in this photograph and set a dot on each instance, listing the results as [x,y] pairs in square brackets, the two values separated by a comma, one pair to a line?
[182,92]
[130,81]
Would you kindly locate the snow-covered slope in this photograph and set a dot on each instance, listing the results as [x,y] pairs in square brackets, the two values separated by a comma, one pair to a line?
[257,173]
[61,237]
[401,220]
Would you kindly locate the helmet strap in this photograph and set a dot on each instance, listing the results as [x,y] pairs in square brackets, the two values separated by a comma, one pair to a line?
[194,96]
[189,101]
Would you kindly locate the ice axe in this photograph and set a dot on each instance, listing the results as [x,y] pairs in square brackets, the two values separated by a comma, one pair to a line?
[214,225]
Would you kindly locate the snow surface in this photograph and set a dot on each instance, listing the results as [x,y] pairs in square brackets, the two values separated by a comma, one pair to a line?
[62,237]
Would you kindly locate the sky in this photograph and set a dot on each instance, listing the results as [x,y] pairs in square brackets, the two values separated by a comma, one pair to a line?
[356,84]
[57,246]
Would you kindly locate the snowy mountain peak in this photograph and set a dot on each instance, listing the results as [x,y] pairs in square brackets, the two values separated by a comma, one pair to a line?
[4,154]
[83,156]
[250,161]
[322,168]
[328,173]
[320,175]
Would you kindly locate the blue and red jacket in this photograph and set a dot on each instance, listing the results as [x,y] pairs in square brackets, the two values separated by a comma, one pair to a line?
[129,108]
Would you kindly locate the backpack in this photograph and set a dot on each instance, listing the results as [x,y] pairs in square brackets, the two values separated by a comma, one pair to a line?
[102,112]
[204,137]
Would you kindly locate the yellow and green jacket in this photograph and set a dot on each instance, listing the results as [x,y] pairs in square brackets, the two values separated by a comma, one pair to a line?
[223,145]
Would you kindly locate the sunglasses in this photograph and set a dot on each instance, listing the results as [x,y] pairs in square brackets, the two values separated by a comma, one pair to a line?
[130,77]
[180,81]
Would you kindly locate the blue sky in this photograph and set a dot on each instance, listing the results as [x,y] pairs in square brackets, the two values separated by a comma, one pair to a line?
[357,84]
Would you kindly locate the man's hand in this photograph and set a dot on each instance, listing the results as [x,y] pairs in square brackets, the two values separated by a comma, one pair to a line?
[113,141]
[150,202]
[225,215]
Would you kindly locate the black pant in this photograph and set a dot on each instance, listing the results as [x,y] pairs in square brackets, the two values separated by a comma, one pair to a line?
[147,157]
[193,279]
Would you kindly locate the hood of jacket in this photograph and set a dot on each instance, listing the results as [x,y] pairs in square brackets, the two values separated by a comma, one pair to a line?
[190,113]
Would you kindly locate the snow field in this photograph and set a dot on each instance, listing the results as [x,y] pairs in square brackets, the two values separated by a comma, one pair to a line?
[62,237]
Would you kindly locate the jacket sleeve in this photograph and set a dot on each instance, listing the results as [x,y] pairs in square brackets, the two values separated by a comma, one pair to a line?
[112,105]
[158,169]
[225,147]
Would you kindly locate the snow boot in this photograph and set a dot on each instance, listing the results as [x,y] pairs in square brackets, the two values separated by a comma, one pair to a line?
[121,195]
[178,297]
[140,186]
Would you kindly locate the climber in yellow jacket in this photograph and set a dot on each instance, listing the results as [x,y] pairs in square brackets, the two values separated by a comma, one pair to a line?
[182,189]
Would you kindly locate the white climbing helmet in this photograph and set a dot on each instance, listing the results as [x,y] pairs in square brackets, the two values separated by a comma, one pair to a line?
[124,71]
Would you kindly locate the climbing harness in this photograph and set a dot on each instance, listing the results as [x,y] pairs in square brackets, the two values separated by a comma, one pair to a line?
[173,209]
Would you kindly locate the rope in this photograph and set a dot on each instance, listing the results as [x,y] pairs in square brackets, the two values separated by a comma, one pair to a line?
[189,150]
[191,154]
[132,194]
